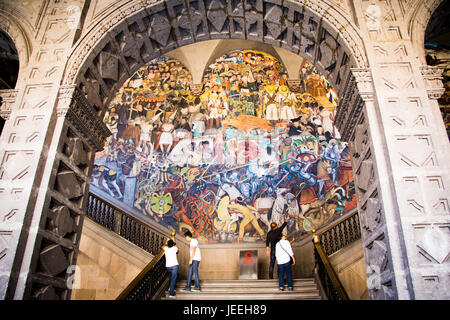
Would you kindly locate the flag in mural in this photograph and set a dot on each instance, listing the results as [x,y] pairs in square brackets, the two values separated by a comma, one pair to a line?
[224,164]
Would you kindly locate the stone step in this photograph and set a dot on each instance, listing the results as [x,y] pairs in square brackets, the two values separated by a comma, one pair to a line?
[247,283]
[285,295]
[304,289]
[239,290]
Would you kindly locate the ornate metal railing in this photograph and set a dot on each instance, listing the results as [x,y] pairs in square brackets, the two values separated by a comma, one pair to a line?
[128,227]
[148,284]
[329,241]
[340,234]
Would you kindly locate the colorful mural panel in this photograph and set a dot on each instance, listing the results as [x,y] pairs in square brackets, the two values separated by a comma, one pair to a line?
[226,163]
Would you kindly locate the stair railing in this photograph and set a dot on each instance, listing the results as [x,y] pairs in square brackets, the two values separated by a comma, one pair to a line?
[328,241]
[151,281]
[125,225]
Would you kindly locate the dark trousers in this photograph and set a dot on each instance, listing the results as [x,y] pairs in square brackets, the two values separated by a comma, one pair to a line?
[272,263]
[173,271]
[193,271]
[282,270]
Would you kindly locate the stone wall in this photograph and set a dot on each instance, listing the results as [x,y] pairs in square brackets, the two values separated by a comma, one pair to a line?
[222,261]
[351,270]
[107,264]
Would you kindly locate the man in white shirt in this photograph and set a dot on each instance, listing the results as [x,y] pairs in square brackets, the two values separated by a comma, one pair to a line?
[194,261]
[170,252]
[283,253]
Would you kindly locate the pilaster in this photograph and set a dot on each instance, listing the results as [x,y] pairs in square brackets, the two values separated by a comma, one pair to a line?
[37,229]
[412,154]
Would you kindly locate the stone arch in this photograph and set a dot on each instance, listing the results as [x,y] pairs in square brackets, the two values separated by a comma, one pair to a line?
[418,22]
[125,40]
[19,35]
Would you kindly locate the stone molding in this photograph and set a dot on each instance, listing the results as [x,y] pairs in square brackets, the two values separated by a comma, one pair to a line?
[418,19]
[9,98]
[76,109]
[358,89]
[432,77]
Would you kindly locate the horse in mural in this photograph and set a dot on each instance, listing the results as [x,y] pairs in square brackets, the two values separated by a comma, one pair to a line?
[317,207]
[263,206]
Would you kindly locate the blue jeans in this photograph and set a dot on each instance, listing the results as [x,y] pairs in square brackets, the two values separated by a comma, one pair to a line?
[173,279]
[285,269]
[272,263]
[193,269]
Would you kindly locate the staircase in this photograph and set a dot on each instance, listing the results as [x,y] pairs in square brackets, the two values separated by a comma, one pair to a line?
[151,282]
[304,289]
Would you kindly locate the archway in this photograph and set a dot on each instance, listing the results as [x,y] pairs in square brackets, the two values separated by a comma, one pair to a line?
[100,64]
[121,43]
[387,114]
[9,59]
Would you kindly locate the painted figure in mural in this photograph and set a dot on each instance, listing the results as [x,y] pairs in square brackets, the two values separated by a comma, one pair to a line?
[278,207]
[227,220]
[333,155]
[301,169]
[228,185]
[248,218]
[316,86]
[241,153]
[270,102]
[145,140]
[166,138]
[287,103]
[107,179]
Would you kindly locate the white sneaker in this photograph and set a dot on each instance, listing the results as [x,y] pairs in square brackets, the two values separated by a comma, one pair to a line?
[171,296]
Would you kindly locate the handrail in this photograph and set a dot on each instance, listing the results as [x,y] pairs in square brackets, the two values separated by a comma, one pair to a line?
[328,241]
[125,225]
[139,288]
[322,260]
[147,284]
[331,226]
[340,233]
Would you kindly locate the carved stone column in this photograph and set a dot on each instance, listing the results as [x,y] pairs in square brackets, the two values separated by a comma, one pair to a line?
[79,133]
[60,203]
[406,225]
[358,122]
[45,160]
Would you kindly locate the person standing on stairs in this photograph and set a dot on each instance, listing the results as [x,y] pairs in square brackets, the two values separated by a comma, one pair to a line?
[273,236]
[170,252]
[284,253]
[194,261]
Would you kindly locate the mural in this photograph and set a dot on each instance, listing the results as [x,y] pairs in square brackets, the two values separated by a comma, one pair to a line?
[226,163]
